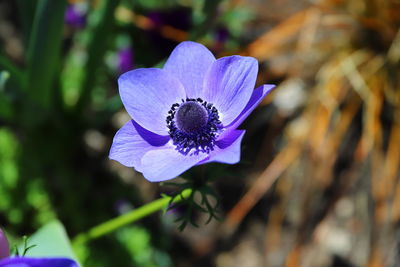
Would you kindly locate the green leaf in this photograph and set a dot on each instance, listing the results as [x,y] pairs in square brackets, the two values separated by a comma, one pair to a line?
[5,103]
[205,20]
[4,75]
[15,74]
[44,50]
[51,241]
[26,10]
[236,20]
[101,26]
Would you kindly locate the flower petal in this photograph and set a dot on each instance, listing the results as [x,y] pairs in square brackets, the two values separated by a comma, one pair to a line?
[189,63]
[37,262]
[148,95]
[227,150]
[229,84]
[257,96]
[164,164]
[132,141]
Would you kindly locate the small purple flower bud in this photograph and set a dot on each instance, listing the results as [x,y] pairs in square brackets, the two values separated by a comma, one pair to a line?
[178,18]
[221,36]
[75,16]
[4,249]
[125,59]
[156,18]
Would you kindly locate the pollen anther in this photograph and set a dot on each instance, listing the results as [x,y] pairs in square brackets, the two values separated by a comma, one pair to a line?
[193,125]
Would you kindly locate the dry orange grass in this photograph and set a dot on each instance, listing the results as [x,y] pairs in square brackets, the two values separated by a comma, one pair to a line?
[337,176]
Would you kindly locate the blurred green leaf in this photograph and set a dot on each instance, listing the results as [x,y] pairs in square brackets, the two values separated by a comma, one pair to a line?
[155,4]
[72,75]
[8,170]
[51,241]
[4,75]
[137,241]
[26,10]
[16,76]
[206,19]
[10,77]
[43,53]
[236,19]
[101,25]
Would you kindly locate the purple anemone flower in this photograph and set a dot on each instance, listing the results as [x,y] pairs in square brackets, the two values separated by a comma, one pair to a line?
[37,262]
[186,113]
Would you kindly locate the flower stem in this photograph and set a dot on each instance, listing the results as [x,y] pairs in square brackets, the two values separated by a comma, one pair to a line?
[127,218]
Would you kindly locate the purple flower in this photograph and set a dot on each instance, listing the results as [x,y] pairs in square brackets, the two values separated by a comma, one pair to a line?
[6,261]
[221,36]
[125,59]
[75,16]
[37,262]
[187,113]
[4,249]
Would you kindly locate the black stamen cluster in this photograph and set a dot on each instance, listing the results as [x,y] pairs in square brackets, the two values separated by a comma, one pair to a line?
[202,140]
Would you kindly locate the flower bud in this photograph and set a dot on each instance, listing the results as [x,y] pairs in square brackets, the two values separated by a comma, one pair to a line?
[4,249]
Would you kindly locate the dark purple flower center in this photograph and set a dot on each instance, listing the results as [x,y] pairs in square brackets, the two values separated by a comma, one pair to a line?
[191,117]
[193,124]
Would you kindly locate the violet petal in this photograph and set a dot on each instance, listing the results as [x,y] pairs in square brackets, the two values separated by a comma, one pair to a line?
[132,141]
[229,85]
[189,62]
[148,95]
[164,164]
[257,96]
[227,150]
[37,262]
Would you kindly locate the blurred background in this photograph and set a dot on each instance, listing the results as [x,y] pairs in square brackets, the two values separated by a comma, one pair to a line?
[318,184]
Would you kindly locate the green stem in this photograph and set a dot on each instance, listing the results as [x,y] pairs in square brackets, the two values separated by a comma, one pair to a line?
[127,218]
